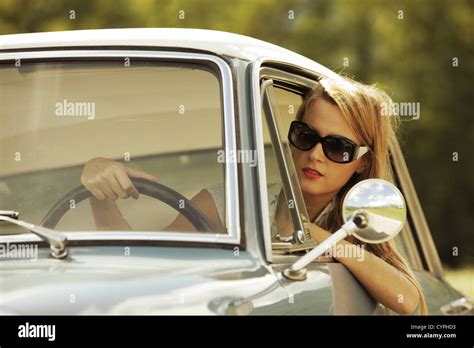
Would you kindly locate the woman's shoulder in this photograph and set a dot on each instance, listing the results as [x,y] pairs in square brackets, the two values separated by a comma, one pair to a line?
[217,192]
[218,187]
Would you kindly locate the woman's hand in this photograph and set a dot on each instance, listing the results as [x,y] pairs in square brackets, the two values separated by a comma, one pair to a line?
[106,178]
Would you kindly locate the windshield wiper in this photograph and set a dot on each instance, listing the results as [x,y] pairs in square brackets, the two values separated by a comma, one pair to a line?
[56,240]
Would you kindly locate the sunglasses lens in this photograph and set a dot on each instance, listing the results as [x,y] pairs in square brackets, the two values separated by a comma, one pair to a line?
[338,150]
[335,148]
[302,137]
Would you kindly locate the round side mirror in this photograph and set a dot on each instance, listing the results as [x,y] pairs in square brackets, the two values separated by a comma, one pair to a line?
[377,208]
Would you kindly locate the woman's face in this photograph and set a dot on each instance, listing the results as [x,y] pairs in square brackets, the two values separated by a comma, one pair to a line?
[326,119]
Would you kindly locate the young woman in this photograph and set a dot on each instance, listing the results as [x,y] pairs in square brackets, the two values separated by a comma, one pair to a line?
[339,137]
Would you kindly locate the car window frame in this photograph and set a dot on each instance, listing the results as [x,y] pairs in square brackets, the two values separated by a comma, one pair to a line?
[262,69]
[232,204]
[420,243]
[294,80]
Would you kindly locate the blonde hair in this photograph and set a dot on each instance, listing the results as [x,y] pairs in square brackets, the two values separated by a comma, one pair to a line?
[361,106]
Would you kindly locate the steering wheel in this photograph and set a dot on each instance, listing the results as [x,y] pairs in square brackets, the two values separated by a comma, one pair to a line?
[152,189]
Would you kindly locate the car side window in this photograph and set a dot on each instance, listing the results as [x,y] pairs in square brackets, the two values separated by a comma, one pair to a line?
[165,119]
[286,208]
[288,103]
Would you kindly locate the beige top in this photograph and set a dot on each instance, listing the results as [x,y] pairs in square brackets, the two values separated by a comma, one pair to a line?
[217,193]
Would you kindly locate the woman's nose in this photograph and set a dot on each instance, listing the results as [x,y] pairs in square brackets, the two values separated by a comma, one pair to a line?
[317,153]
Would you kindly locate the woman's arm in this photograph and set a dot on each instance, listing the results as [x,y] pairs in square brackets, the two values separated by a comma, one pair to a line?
[384,282]
[107,215]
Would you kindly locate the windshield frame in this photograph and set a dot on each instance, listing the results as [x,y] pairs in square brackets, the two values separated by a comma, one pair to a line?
[232,204]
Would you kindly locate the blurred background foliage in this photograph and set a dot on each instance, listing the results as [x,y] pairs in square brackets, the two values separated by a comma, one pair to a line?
[408,53]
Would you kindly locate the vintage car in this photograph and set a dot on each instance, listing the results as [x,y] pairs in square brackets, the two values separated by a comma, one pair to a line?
[196,108]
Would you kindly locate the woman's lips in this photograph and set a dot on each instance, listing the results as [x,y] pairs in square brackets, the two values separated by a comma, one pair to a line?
[312,174]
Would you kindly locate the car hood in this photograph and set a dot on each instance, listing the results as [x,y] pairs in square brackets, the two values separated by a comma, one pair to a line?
[147,280]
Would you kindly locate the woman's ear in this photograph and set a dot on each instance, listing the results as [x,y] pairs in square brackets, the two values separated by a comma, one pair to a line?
[363,165]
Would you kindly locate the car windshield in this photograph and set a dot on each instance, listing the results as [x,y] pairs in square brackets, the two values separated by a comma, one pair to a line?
[164,119]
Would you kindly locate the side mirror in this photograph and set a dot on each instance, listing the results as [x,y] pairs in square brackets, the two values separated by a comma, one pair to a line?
[374,211]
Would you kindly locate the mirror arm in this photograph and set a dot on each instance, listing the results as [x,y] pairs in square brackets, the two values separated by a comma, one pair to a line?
[297,271]
[346,230]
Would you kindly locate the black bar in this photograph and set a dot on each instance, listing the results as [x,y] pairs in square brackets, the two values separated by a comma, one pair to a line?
[193,330]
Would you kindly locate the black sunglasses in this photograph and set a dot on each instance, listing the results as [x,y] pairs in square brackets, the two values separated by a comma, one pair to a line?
[337,148]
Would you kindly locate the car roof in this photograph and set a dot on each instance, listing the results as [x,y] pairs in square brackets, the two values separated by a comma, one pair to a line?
[217,42]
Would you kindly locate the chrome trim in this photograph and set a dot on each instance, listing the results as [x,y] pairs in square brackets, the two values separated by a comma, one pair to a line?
[268,97]
[255,70]
[405,236]
[461,306]
[125,236]
[231,174]
[56,240]
[261,170]
[415,210]
[272,73]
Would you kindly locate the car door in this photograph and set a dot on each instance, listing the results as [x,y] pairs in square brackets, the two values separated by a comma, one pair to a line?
[329,287]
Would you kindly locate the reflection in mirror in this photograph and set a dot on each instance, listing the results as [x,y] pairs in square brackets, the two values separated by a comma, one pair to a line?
[383,206]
